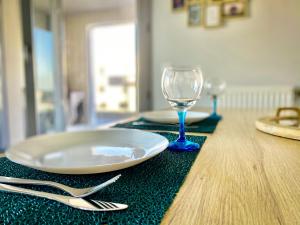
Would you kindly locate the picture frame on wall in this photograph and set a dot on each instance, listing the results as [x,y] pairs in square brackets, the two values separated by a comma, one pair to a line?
[213,15]
[178,5]
[195,14]
[235,9]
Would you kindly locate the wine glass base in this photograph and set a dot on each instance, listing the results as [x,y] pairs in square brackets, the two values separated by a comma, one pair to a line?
[183,146]
[215,116]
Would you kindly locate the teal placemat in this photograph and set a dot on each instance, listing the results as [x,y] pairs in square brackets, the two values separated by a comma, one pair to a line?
[205,126]
[148,189]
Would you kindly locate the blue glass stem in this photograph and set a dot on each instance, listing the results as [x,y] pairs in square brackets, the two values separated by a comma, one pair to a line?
[215,103]
[181,116]
[181,144]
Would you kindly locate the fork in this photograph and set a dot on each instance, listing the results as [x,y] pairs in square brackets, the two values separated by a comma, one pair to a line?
[79,203]
[75,192]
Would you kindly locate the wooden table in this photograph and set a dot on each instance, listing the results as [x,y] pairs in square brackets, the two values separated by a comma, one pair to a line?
[241,176]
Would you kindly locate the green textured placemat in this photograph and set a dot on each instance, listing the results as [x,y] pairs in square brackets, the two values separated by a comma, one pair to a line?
[148,188]
[205,126]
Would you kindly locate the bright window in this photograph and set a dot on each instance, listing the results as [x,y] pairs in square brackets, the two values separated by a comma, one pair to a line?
[113,67]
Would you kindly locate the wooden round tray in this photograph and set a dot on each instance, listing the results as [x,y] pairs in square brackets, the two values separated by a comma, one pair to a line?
[283,126]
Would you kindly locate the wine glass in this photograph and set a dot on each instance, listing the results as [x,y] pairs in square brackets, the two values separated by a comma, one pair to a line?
[214,86]
[181,87]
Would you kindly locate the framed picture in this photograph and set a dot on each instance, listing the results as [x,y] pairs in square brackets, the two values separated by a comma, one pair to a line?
[195,14]
[213,15]
[235,9]
[178,5]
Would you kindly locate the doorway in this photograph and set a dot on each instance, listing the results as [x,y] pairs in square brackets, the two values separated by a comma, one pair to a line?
[112,71]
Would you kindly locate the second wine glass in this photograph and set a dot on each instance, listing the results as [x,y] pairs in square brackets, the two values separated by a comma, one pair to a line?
[214,87]
[181,87]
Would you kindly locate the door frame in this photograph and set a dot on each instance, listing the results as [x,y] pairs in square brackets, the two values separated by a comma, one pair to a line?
[4,138]
[91,111]
[27,26]
[144,54]
[32,118]
[143,16]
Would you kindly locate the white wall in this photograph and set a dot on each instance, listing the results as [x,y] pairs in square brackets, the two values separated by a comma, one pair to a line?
[263,49]
[14,69]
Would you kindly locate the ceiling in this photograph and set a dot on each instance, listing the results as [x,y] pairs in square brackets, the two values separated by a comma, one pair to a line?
[75,6]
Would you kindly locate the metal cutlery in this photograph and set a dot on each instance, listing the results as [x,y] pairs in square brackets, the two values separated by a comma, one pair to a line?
[79,203]
[76,192]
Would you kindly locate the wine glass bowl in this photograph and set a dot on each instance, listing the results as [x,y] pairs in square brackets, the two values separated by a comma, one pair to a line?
[181,87]
[214,86]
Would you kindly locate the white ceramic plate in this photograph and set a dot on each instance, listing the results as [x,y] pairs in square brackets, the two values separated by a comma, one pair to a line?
[88,152]
[172,117]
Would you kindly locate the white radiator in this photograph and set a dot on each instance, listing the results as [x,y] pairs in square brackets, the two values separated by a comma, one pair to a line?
[257,97]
